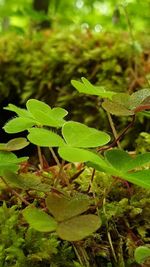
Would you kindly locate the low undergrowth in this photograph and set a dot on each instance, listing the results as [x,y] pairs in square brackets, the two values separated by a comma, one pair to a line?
[91,208]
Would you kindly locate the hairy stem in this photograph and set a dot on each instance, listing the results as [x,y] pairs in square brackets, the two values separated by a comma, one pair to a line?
[55,157]
[40,157]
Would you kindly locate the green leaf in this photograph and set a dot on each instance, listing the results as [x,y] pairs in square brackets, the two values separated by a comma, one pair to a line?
[22,159]
[34,105]
[141,254]
[19,111]
[45,115]
[91,86]
[9,161]
[17,125]
[116,108]
[103,167]
[72,154]
[78,227]
[16,144]
[125,105]
[140,178]
[116,155]
[138,97]
[139,161]
[146,113]
[44,138]
[87,88]
[63,208]
[59,113]
[39,220]
[122,99]
[79,135]
[126,162]
[25,181]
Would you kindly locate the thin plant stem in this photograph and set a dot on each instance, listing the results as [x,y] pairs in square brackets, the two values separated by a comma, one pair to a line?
[40,157]
[85,259]
[55,157]
[77,254]
[111,245]
[91,180]
[20,197]
[85,256]
[119,137]
[15,193]
[63,175]
[61,170]
[93,193]
[113,129]
[108,233]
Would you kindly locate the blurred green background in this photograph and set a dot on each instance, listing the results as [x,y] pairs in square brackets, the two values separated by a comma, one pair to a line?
[98,15]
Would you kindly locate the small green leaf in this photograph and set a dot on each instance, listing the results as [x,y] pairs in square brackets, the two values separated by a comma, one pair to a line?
[141,254]
[91,86]
[19,111]
[102,167]
[125,105]
[45,115]
[9,161]
[138,97]
[34,105]
[63,208]
[116,155]
[78,227]
[17,125]
[72,154]
[87,88]
[22,159]
[79,135]
[126,162]
[44,138]
[59,113]
[139,161]
[25,181]
[16,144]
[140,178]
[122,99]
[116,108]
[39,220]
[14,180]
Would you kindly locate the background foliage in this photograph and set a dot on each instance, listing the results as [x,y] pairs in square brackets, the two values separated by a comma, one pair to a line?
[97,15]
[41,66]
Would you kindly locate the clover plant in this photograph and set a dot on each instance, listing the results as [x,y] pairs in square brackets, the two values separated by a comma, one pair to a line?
[8,160]
[75,142]
[67,220]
